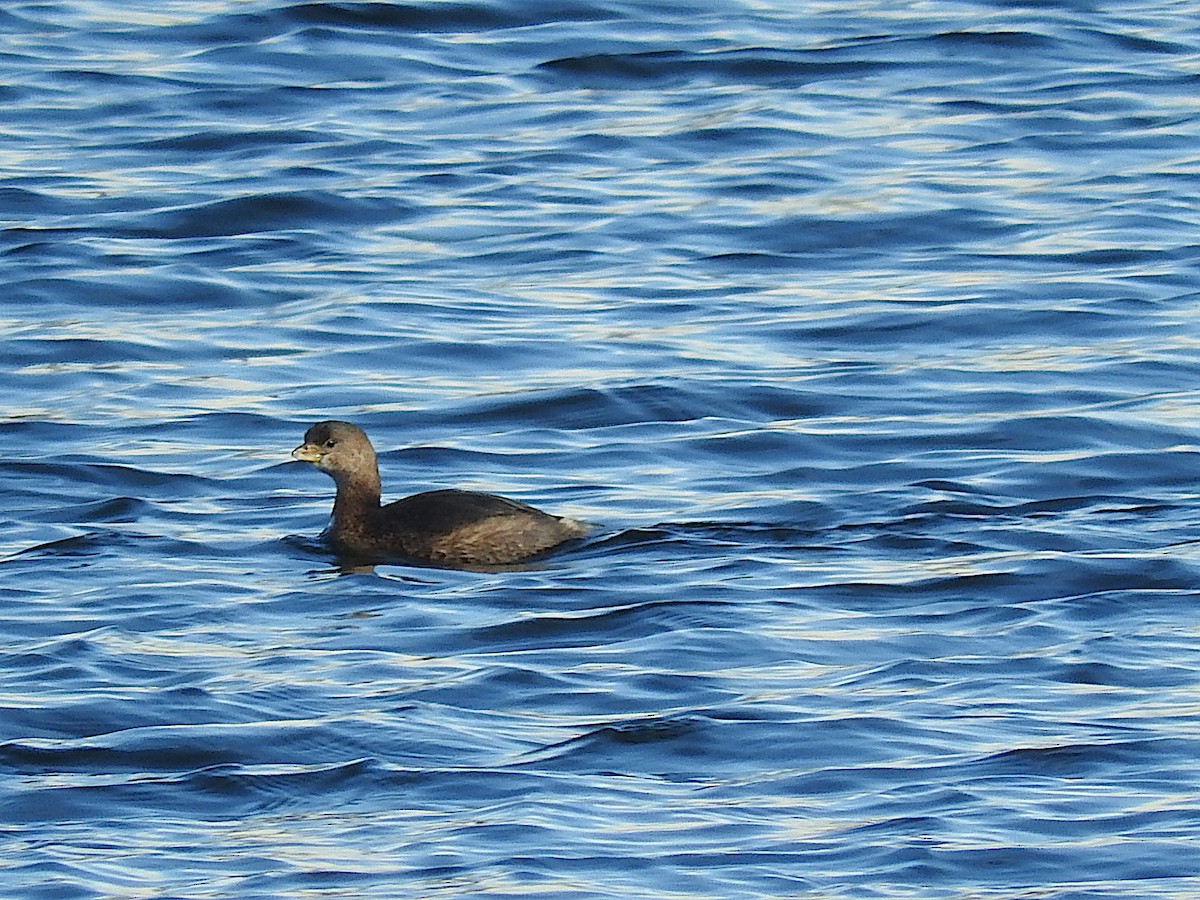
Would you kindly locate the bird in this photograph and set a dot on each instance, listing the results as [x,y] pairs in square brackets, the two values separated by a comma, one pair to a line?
[451,528]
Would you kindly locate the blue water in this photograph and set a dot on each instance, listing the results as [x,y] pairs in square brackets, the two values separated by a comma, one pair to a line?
[865,335]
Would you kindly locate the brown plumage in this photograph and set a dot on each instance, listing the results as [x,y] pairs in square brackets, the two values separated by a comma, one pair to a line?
[447,527]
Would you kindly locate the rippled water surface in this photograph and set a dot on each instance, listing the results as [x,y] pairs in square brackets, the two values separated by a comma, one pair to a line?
[865,335]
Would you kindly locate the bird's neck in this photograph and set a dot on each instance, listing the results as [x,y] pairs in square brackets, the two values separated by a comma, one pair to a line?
[356,496]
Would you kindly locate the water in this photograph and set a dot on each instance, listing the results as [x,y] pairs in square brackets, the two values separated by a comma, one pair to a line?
[864,335]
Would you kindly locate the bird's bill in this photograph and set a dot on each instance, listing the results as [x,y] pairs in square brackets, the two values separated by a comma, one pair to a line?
[308,453]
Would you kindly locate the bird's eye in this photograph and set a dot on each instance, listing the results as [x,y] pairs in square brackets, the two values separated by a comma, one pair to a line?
[330,442]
